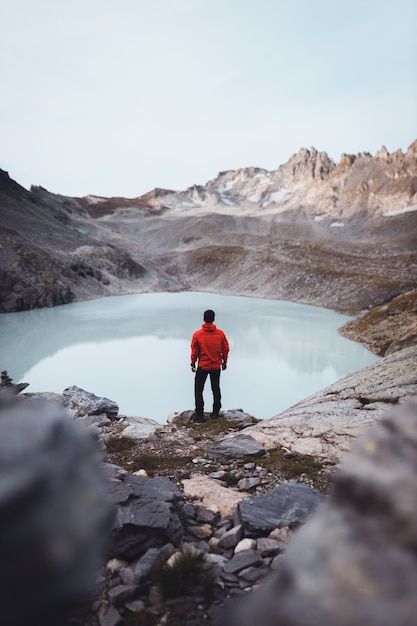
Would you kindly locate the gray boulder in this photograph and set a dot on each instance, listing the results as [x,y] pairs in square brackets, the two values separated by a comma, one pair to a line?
[7,384]
[138,427]
[146,515]
[80,402]
[289,504]
[237,446]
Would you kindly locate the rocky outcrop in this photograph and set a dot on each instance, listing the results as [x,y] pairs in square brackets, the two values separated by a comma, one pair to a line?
[98,414]
[388,327]
[354,561]
[146,516]
[326,424]
[79,403]
[51,253]
[8,385]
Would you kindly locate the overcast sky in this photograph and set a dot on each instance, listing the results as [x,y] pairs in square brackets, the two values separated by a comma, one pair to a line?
[116,97]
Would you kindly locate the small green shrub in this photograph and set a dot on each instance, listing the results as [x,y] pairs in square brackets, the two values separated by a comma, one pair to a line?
[119,444]
[141,619]
[294,467]
[154,462]
[230,479]
[186,576]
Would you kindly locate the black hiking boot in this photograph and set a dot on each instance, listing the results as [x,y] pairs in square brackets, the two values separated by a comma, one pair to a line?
[198,419]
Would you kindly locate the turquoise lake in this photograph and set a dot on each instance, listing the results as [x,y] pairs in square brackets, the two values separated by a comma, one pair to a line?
[135,350]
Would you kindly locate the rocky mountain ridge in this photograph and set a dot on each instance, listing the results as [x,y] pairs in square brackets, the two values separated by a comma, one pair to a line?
[343,236]
[311,181]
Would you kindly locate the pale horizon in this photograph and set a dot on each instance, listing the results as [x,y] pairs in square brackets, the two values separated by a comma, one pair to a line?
[117,97]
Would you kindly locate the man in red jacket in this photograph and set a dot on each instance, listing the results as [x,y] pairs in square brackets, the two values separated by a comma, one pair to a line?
[209,349]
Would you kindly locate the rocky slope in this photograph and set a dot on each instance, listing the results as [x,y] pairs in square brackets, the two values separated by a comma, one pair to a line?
[327,423]
[339,235]
[173,554]
[52,253]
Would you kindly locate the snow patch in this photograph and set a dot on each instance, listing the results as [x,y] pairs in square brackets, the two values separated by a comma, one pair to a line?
[95,199]
[276,196]
[262,178]
[231,183]
[337,224]
[406,209]
[255,197]
[223,197]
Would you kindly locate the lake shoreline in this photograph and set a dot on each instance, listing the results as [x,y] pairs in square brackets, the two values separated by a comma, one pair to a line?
[280,351]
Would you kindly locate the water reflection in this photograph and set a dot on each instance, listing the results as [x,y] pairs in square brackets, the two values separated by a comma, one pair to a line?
[135,350]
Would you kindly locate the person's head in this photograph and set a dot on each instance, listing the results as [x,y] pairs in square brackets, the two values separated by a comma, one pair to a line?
[209,316]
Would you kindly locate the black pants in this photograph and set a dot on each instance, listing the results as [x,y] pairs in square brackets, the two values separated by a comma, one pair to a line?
[200,381]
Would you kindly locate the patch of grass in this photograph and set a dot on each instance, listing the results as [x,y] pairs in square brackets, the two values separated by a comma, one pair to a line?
[185,576]
[230,479]
[141,619]
[388,323]
[119,444]
[216,427]
[405,303]
[154,462]
[293,467]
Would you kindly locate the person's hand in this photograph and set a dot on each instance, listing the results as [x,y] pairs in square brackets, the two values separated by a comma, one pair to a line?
[224,366]
[193,368]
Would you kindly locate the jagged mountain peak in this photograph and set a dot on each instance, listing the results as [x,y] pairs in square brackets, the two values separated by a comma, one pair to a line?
[311,183]
[228,178]
[412,150]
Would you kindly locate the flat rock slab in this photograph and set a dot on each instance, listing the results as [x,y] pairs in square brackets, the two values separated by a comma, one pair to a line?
[326,424]
[237,446]
[211,492]
[289,504]
[242,560]
[139,427]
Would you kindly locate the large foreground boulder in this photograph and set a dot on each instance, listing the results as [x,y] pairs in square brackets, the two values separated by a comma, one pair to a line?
[355,561]
[55,516]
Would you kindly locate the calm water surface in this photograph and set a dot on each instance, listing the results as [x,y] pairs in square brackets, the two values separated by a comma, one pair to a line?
[136,350]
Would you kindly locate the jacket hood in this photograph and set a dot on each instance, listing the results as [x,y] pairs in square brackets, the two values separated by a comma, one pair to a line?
[209,327]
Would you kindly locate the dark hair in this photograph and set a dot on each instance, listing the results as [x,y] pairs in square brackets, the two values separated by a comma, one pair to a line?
[209,316]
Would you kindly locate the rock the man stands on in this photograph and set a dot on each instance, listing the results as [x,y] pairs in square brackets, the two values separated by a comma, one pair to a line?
[209,349]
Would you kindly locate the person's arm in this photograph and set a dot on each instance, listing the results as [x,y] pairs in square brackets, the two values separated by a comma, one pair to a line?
[225,352]
[195,352]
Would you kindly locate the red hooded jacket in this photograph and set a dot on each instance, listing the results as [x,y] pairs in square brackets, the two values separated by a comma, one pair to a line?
[209,346]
